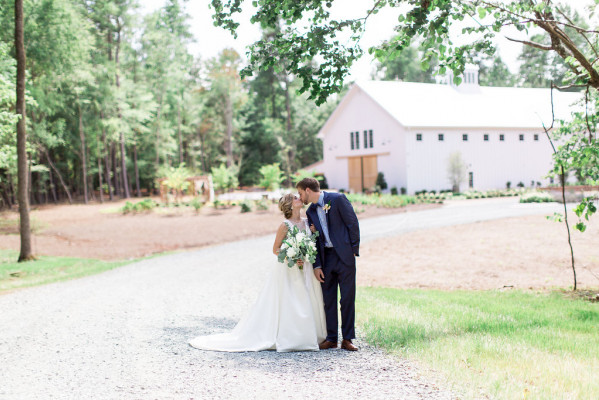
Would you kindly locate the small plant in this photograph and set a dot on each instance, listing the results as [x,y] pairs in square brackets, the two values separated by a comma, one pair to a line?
[403,190]
[380,181]
[196,204]
[142,206]
[520,184]
[508,185]
[246,207]
[216,204]
[262,205]
[536,197]
[394,191]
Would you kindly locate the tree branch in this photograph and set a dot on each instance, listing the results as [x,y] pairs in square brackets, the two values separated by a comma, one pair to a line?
[532,44]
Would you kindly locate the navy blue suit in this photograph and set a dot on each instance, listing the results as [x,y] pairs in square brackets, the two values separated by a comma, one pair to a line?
[338,263]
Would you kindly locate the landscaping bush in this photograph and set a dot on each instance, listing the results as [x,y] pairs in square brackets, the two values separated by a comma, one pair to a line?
[394,191]
[381,183]
[272,176]
[536,197]
[196,203]
[225,178]
[262,205]
[142,206]
[246,207]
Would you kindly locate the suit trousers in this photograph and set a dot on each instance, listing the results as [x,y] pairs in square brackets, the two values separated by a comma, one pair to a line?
[342,276]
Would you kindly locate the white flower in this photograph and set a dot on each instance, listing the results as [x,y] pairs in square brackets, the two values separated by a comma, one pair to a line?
[291,252]
[284,246]
[300,236]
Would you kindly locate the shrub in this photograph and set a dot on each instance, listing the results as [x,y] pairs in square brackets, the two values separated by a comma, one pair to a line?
[323,182]
[272,176]
[380,181]
[403,190]
[536,197]
[225,178]
[144,205]
[262,205]
[394,191]
[176,179]
[246,207]
[196,203]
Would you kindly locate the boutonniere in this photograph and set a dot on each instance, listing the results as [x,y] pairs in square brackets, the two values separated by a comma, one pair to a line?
[327,207]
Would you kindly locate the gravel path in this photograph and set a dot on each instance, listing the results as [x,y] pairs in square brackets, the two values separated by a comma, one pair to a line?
[123,334]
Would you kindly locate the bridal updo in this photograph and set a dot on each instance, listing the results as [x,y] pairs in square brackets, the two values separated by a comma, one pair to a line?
[286,205]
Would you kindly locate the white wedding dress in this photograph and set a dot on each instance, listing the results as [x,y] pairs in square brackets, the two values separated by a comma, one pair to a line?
[288,315]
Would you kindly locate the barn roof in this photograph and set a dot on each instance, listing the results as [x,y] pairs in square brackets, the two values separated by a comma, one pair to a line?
[442,105]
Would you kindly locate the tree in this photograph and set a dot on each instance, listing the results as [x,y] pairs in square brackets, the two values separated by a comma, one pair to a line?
[26,253]
[404,66]
[494,72]
[456,170]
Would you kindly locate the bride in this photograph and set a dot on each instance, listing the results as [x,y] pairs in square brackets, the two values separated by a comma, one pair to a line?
[289,312]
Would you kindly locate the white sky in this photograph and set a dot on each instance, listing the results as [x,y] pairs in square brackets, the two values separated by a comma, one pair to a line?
[210,40]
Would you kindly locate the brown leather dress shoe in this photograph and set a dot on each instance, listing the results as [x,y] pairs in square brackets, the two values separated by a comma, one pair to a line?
[347,345]
[327,344]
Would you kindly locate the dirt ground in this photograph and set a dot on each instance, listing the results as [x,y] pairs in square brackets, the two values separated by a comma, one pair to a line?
[101,231]
[524,252]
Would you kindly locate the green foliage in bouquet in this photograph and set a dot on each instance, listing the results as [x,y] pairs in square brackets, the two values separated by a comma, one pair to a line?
[298,245]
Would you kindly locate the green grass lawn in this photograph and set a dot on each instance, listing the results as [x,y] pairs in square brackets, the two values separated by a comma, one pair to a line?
[14,275]
[490,344]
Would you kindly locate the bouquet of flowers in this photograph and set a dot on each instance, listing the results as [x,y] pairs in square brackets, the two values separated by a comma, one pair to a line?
[298,245]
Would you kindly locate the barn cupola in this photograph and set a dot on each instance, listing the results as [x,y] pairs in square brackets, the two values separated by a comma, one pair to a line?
[469,82]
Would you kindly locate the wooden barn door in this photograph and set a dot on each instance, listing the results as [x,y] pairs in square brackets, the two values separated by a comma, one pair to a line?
[370,171]
[362,172]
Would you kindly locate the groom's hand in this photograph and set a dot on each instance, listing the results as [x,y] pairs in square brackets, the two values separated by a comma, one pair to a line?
[312,228]
[319,275]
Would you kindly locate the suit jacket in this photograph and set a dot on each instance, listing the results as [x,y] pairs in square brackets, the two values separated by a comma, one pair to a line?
[344,230]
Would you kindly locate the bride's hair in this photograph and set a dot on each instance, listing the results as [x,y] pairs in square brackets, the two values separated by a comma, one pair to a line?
[286,205]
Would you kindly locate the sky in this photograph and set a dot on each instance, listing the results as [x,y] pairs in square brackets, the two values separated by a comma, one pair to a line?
[210,40]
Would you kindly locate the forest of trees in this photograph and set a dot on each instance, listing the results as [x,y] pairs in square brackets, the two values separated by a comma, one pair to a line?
[112,98]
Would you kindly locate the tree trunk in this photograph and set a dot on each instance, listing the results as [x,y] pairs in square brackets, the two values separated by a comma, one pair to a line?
[137,186]
[124,177]
[180,136]
[158,113]
[25,227]
[229,124]
[122,135]
[201,137]
[115,175]
[106,161]
[83,155]
[64,186]
[52,186]
[100,177]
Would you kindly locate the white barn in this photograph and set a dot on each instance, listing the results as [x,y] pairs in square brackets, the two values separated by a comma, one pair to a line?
[408,130]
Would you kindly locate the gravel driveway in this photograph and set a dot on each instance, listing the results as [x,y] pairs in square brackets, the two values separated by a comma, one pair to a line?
[123,334]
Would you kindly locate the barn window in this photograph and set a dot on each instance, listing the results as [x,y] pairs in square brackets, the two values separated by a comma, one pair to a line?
[365,139]
[521,138]
[486,137]
[351,135]
[501,137]
[440,137]
[371,141]
[357,140]
[470,180]
[465,137]
[419,137]
[536,137]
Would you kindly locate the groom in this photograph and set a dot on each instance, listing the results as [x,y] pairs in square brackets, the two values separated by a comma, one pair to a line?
[338,246]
